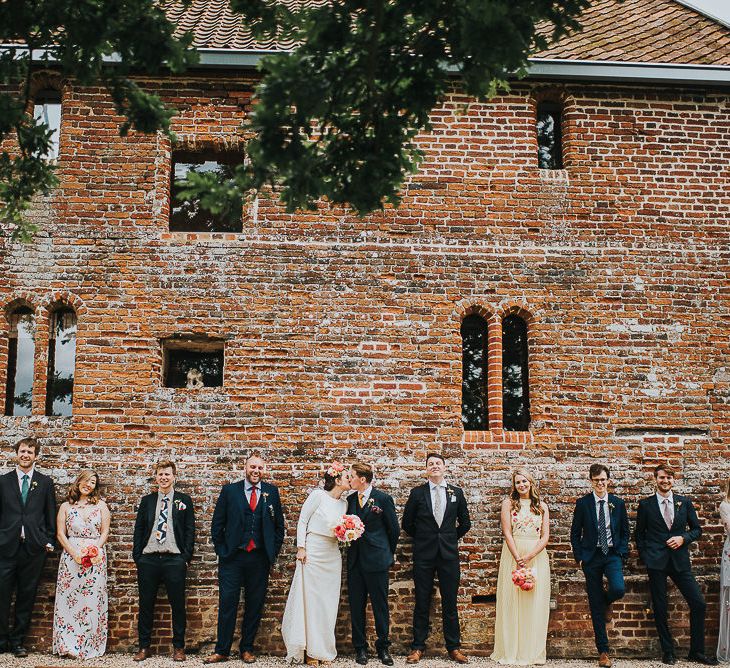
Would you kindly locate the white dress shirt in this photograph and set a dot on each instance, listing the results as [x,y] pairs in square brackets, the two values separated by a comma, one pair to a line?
[20,474]
[606,513]
[365,495]
[661,499]
[249,487]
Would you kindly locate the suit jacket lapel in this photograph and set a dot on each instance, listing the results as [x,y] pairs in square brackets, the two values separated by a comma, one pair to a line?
[427,492]
[677,504]
[152,512]
[16,487]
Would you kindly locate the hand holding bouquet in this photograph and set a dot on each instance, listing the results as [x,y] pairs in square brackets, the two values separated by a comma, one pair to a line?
[90,556]
[524,578]
[349,529]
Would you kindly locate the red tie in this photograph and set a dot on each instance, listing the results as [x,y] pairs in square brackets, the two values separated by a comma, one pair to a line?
[252,504]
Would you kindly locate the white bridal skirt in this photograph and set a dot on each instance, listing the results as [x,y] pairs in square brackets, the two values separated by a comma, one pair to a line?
[314,597]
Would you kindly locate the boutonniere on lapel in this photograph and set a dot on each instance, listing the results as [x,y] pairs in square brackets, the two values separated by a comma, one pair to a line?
[611,507]
[33,485]
[679,504]
[180,505]
[451,493]
[373,508]
[265,495]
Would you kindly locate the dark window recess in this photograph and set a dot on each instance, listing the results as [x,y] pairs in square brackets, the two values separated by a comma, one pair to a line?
[549,136]
[21,354]
[188,216]
[474,373]
[515,380]
[484,598]
[193,364]
[61,362]
[47,109]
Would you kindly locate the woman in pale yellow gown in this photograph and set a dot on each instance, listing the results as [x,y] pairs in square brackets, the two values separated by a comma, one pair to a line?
[520,631]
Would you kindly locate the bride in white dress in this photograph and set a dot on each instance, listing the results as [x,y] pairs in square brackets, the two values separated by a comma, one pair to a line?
[308,627]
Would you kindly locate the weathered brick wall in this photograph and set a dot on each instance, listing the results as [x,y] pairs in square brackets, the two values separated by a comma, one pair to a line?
[342,335]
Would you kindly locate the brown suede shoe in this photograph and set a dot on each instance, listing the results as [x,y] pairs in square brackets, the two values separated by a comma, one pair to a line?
[456,655]
[215,658]
[248,657]
[414,656]
[604,660]
[144,653]
[178,654]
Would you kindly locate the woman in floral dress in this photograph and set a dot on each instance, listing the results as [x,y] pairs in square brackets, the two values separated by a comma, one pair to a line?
[520,632]
[80,615]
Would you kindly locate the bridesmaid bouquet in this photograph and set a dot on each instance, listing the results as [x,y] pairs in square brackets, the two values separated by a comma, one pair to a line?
[90,556]
[524,578]
[349,529]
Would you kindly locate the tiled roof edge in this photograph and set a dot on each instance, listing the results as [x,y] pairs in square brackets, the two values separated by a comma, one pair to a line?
[704,12]
[539,68]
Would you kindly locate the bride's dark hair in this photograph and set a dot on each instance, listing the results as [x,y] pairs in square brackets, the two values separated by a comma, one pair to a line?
[330,481]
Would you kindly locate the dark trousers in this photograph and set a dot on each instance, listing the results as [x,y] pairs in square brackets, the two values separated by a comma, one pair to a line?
[19,575]
[249,570]
[611,566]
[359,585]
[153,570]
[449,575]
[689,588]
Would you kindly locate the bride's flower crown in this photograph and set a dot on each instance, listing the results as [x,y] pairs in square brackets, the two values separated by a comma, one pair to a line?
[335,469]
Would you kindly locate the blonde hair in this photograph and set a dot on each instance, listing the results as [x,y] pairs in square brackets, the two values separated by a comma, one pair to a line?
[74,491]
[514,495]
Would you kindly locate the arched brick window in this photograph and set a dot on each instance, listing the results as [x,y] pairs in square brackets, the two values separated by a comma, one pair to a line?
[515,376]
[61,361]
[47,109]
[21,355]
[549,135]
[474,408]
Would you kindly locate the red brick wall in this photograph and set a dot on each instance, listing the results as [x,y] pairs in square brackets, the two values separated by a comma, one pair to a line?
[342,335]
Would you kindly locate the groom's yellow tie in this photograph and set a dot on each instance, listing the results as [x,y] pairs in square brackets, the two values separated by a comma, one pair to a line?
[360,498]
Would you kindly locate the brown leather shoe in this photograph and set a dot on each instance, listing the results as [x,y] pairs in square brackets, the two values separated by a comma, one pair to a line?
[414,656]
[178,654]
[215,658]
[604,660]
[144,653]
[456,655]
[248,657]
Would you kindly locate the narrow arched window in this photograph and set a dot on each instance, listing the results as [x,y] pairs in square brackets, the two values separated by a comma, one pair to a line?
[47,110]
[515,379]
[21,354]
[474,373]
[61,361]
[549,136]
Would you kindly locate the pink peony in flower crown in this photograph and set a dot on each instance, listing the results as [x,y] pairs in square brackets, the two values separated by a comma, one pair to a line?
[335,469]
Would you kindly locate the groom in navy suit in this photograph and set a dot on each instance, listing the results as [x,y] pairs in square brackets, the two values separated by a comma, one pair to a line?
[369,560]
[247,531]
[666,523]
[600,539]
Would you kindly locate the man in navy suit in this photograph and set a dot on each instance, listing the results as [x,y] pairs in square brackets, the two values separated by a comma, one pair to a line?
[369,560]
[436,516]
[247,530]
[162,547]
[666,523]
[600,539]
[27,534]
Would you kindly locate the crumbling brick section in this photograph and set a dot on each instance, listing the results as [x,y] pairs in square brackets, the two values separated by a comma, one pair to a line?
[342,334]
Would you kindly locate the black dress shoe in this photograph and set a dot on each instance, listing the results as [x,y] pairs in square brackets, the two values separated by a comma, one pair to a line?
[361,656]
[669,659]
[385,657]
[19,652]
[701,658]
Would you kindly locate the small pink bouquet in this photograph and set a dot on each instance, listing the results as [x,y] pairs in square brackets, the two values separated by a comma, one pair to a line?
[524,578]
[90,556]
[349,529]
